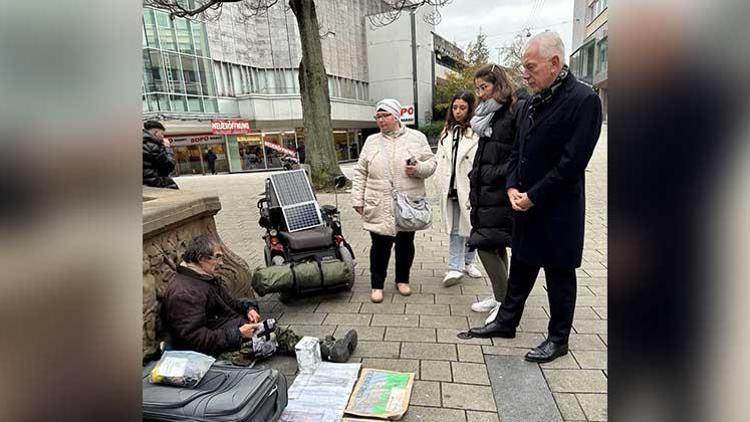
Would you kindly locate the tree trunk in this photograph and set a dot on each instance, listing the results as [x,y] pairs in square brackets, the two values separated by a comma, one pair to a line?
[320,152]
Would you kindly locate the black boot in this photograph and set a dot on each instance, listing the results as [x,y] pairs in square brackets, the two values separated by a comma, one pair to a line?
[547,352]
[340,350]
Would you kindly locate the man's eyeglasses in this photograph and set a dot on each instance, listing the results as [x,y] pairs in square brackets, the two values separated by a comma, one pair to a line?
[217,256]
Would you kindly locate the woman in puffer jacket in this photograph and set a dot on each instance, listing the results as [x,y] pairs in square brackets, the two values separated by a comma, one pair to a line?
[455,155]
[491,212]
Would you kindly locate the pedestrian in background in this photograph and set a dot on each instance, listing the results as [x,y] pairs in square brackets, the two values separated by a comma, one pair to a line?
[396,158]
[455,157]
[211,159]
[558,130]
[158,158]
[491,212]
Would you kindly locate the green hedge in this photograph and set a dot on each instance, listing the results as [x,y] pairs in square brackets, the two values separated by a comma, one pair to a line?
[432,130]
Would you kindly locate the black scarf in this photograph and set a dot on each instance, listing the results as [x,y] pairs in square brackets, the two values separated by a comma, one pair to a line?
[545,95]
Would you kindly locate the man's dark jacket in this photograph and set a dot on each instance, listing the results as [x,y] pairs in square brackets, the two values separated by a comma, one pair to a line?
[554,143]
[491,213]
[158,162]
[200,314]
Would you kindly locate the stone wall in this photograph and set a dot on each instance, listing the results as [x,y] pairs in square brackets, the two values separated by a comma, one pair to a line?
[171,219]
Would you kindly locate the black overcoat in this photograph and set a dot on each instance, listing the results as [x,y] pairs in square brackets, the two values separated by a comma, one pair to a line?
[554,143]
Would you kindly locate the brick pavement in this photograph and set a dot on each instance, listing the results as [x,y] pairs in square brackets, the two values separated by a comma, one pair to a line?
[417,333]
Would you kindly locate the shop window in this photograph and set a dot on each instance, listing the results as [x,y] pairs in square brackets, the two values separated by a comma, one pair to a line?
[251,152]
[273,157]
[341,144]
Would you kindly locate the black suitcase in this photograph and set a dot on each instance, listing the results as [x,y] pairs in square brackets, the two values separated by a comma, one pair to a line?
[226,393]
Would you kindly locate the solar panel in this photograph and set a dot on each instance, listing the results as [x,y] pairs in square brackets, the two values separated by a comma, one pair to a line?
[292,187]
[302,216]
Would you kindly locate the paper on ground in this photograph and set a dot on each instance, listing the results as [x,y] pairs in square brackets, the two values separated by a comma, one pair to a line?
[321,396]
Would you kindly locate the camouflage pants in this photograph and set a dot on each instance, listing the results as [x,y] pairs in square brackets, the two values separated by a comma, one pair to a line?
[285,337]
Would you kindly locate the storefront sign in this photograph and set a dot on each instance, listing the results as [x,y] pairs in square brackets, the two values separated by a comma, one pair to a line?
[230,127]
[196,140]
[407,114]
[253,139]
[279,148]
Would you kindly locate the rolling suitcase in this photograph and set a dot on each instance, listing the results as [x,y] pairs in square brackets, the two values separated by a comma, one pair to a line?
[226,393]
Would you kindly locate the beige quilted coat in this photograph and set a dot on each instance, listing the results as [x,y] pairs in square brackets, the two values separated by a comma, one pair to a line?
[371,188]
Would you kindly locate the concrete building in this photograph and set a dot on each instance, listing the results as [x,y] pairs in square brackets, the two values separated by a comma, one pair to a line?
[232,84]
[589,58]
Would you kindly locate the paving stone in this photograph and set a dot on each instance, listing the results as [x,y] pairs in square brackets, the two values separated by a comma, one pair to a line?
[429,351]
[504,351]
[410,334]
[382,308]
[398,365]
[576,380]
[427,309]
[336,307]
[437,321]
[377,349]
[455,299]
[529,340]
[591,359]
[395,320]
[586,342]
[569,407]
[449,336]
[349,319]
[470,353]
[433,414]
[432,370]
[594,406]
[481,291]
[590,326]
[425,393]
[301,318]
[439,289]
[563,362]
[414,298]
[472,416]
[584,312]
[464,309]
[470,373]
[470,397]
[601,311]
[520,390]
[534,325]
[604,339]
[319,331]
[364,297]
[363,333]
[296,308]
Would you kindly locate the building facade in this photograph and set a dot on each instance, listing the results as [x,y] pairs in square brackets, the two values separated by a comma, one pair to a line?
[590,48]
[241,71]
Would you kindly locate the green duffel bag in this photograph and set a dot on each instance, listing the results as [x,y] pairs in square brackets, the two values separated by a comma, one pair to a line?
[307,275]
[273,279]
[336,273]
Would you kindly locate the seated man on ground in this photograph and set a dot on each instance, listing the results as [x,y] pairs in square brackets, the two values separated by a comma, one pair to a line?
[202,316]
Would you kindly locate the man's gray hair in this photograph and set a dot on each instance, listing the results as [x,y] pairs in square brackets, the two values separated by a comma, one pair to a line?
[550,45]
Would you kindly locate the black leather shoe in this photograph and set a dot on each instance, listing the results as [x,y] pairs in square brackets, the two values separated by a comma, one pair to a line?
[493,329]
[547,352]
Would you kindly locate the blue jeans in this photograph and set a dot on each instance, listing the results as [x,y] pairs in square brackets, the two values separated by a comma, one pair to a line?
[458,253]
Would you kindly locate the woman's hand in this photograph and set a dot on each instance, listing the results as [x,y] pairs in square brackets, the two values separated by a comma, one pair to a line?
[411,171]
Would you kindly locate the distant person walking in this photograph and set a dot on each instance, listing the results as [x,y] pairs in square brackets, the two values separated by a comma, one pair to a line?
[158,158]
[455,158]
[211,159]
[491,212]
[396,157]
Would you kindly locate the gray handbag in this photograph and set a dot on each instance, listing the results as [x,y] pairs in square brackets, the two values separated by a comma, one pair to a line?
[412,213]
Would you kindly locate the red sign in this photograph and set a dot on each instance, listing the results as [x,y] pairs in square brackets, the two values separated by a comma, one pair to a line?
[230,127]
[279,148]
[407,114]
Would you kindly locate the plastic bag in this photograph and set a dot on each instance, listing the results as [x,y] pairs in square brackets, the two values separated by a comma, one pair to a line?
[181,368]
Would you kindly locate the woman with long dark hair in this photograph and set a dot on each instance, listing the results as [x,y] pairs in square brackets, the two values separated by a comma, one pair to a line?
[491,212]
[455,155]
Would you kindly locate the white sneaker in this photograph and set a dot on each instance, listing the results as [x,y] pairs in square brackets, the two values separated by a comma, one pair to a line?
[491,317]
[485,305]
[452,277]
[472,271]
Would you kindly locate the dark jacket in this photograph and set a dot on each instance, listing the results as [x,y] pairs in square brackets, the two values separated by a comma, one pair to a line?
[200,315]
[553,146]
[491,212]
[211,157]
[158,162]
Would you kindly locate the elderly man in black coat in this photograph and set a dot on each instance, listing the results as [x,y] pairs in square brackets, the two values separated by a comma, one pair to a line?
[557,131]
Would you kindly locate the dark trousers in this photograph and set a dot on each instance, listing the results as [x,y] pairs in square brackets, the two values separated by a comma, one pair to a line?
[212,167]
[561,293]
[380,255]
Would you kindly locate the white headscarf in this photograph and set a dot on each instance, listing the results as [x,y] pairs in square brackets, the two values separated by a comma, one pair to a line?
[391,106]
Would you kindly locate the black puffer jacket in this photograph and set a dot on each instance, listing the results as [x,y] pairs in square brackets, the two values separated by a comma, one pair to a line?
[491,212]
[158,162]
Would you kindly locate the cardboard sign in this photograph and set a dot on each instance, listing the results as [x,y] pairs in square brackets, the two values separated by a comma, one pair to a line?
[381,394]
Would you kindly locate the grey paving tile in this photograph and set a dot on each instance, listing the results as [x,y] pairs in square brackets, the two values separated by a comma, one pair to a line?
[319,331]
[425,393]
[377,349]
[594,406]
[569,407]
[395,320]
[398,365]
[576,380]
[455,299]
[520,390]
[591,359]
[301,318]
[363,333]
[470,373]
[414,298]
[433,414]
[435,371]
[590,326]
[470,397]
[382,308]
[427,309]
[473,416]
[563,362]
[470,353]
[410,334]
[529,340]
[449,336]
[438,321]
[338,307]
[504,351]
[586,342]
[361,320]
[430,351]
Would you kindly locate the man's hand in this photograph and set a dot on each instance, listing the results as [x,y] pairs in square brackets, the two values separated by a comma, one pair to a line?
[247,330]
[513,195]
[524,203]
[253,315]
[411,171]
[360,210]
[166,142]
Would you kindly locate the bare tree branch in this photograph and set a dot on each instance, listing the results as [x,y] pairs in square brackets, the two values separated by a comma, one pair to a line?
[394,8]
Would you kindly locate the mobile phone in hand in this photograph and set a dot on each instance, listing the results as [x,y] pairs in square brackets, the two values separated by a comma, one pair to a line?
[411,161]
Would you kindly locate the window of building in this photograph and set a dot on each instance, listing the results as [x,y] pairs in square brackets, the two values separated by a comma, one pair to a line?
[184,39]
[601,65]
[165,31]
[149,25]
[175,82]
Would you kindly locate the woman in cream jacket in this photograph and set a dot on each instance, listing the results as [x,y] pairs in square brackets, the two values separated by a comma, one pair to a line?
[455,154]
[384,160]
